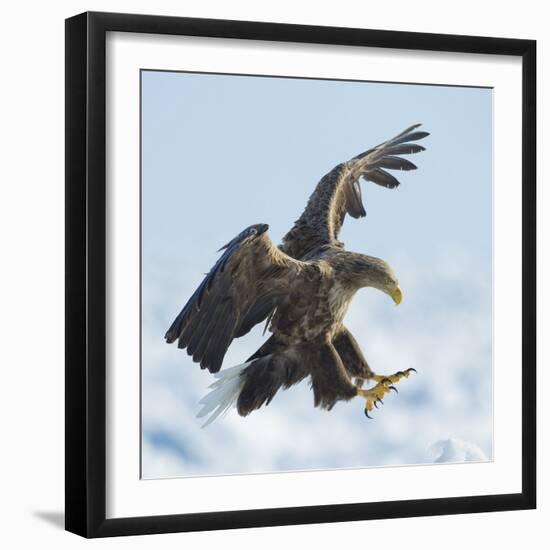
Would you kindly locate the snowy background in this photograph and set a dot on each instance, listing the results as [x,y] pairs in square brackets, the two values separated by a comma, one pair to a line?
[222,152]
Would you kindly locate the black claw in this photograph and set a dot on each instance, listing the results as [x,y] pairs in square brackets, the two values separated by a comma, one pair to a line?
[378,399]
[412,370]
[367,414]
[393,388]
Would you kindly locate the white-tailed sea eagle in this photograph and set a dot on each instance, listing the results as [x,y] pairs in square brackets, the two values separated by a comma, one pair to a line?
[302,290]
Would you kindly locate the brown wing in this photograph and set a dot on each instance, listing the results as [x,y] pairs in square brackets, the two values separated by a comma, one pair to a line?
[339,192]
[250,268]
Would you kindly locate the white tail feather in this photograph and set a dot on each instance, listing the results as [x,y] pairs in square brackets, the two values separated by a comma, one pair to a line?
[224,393]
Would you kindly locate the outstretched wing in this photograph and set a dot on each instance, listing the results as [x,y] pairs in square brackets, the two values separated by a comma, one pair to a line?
[339,192]
[250,269]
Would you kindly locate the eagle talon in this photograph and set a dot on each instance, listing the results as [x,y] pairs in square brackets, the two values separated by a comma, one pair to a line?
[373,396]
[392,378]
[384,385]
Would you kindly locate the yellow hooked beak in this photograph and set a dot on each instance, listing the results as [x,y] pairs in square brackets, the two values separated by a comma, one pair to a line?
[397,295]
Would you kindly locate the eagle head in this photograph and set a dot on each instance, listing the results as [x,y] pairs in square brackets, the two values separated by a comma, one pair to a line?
[374,272]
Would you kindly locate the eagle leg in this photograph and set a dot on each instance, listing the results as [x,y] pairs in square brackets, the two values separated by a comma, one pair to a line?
[384,385]
[352,357]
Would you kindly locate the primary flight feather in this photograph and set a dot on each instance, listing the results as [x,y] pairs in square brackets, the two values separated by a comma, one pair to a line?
[302,289]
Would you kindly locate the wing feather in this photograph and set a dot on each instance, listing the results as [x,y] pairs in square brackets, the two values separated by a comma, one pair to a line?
[381,177]
[215,351]
[396,163]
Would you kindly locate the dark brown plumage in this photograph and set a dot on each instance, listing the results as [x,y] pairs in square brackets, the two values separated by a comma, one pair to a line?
[302,289]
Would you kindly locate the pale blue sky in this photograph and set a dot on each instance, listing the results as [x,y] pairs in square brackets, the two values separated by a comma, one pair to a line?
[220,152]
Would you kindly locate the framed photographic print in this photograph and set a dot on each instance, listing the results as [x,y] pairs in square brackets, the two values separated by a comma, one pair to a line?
[338,173]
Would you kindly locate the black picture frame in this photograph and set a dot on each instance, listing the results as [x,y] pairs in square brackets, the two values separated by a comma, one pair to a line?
[86,274]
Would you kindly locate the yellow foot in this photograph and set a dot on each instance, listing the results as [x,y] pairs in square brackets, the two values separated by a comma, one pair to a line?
[374,395]
[394,378]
